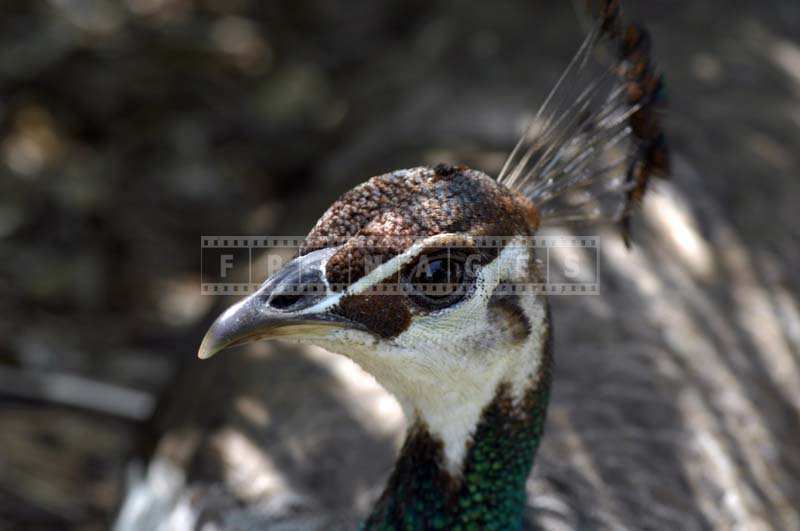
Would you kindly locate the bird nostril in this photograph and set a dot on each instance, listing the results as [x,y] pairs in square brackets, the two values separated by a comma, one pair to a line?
[299,297]
[297,286]
[283,302]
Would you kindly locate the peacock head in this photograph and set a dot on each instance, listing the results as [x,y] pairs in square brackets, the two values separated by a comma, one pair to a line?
[412,275]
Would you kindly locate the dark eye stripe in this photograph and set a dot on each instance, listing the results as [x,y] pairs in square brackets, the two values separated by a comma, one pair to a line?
[384,315]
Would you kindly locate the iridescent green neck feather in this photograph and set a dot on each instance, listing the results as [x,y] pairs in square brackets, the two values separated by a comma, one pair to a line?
[489,492]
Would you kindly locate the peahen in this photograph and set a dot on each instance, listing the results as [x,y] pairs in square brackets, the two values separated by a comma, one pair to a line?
[442,322]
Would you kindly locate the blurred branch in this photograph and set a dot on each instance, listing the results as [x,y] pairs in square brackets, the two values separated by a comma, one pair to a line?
[77,391]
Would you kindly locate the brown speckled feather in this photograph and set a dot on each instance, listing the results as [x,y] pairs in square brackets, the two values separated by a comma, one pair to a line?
[389,212]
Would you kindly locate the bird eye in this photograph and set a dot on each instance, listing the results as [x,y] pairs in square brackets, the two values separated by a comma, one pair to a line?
[438,280]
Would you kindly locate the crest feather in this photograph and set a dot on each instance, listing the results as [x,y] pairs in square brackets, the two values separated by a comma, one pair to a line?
[596,141]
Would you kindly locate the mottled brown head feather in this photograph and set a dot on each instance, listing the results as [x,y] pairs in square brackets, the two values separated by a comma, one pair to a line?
[387,213]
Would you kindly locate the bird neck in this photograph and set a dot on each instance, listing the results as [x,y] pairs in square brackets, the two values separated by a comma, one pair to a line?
[487,491]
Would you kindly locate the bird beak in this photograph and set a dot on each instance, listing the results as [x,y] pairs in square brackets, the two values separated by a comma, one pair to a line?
[291,303]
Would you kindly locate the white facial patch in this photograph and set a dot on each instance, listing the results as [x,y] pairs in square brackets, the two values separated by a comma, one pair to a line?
[447,365]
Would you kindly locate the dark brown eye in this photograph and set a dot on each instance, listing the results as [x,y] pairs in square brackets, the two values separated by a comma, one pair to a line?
[438,280]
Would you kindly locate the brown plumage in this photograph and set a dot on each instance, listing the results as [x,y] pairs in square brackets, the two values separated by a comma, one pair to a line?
[386,214]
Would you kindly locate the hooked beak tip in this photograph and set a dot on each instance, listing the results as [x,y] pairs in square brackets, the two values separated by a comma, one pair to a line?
[207,348]
[225,332]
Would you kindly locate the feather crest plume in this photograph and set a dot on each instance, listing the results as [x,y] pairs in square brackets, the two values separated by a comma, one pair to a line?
[590,151]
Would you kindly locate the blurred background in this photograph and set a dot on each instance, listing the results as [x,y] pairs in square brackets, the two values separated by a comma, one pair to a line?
[130,128]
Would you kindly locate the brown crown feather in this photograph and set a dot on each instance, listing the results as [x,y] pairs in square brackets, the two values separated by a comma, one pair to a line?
[386,214]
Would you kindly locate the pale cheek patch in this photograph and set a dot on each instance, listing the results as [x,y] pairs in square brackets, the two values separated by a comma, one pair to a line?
[447,365]
[454,360]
